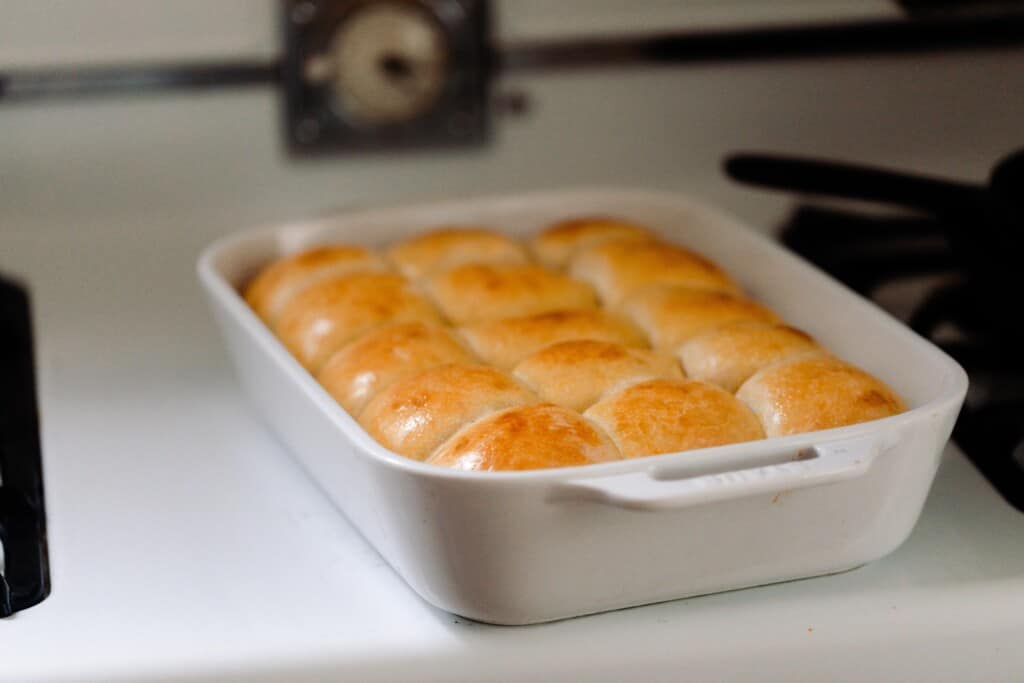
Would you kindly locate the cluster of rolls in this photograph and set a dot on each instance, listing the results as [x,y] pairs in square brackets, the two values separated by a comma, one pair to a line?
[595,341]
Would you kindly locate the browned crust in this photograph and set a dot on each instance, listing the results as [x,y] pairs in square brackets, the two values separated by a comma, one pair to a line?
[664,416]
[450,246]
[417,414]
[322,318]
[575,374]
[526,438]
[506,342]
[361,369]
[269,292]
[483,291]
[810,394]
[730,354]
[557,243]
[617,270]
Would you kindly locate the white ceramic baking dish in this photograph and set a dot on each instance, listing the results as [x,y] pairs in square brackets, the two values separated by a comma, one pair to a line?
[523,547]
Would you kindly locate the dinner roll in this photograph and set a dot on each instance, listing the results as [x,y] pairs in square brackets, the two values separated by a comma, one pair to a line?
[809,394]
[275,285]
[445,248]
[359,370]
[672,315]
[665,416]
[526,438]
[504,343]
[728,355]
[557,243]
[417,414]
[575,374]
[324,316]
[617,269]
[484,291]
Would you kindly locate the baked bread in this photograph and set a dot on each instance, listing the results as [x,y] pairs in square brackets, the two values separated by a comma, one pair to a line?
[445,248]
[359,370]
[526,438]
[559,242]
[503,343]
[664,416]
[542,371]
[617,269]
[671,315]
[575,374]
[486,291]
[809,394]
[325,316]
[271,290]
[729,355]
[417,414]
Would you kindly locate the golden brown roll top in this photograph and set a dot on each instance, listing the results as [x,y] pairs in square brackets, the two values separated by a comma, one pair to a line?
[617,269]
[664,416]
[575,374]
[445,248]
[322,318]
[526,438]
[271,290]
[729,355]
[809,394]
[417,414]
[504,343]
[671,315]
[559,242]
[359,370]
[378,342]
[483,291]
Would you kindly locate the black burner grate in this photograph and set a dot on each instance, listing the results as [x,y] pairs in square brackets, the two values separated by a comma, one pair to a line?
[968,239]
[25,580]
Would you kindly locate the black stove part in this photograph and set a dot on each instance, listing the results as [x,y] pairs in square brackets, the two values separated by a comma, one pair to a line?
[820,225]
[932,33]
[974,310]
[19,86]
[899,36]
[865,251]
[948,7]
[993,437]
[854,181]
[970,236]
[25,580]
[984,225]
[1005,206]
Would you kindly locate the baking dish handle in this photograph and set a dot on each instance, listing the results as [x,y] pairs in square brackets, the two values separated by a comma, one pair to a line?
[815,466]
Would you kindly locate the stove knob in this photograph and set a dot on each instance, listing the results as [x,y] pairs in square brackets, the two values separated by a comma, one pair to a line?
[384,64]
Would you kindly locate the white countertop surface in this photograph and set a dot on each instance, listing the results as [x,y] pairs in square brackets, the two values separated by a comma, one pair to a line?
[185,542]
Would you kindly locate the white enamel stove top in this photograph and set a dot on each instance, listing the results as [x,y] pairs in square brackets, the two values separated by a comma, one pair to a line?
[185,543]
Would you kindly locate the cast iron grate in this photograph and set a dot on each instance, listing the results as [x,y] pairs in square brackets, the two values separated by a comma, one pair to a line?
[966,241]
[25,580]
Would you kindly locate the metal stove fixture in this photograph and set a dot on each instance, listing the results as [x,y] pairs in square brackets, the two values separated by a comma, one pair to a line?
[378,75]
[967,240]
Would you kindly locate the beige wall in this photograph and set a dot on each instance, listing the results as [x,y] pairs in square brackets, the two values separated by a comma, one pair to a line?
[35,32]
[104,204]
[194,166]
